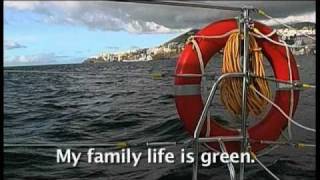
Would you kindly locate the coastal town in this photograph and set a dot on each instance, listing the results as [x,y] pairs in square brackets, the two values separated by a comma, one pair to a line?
[172,48]
[168,50]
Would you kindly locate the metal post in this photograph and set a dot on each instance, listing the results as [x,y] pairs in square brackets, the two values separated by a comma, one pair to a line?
[195,163]
[245,74]
[214,88]
[199,126]
[244,141]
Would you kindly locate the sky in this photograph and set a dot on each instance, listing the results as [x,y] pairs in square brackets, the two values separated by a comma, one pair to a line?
[63,32]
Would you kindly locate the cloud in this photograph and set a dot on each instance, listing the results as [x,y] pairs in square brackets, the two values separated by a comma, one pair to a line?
[307,17]
[12,45]
[113,47]
[23,5]
[36,59]
[142,18]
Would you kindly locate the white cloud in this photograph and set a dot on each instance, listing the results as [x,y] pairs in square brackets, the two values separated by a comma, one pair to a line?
[141,18]
[22,5]
[154,27]
[9,44]
[36,59]
[138,27]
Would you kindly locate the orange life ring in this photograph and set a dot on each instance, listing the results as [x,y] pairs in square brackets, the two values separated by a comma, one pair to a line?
[188,95]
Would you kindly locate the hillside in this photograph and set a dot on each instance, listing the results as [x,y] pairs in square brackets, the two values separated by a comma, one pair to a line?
[181,38]
[167,50]
[298,25]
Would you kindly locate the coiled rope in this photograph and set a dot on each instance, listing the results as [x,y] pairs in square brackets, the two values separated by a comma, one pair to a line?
[231,88]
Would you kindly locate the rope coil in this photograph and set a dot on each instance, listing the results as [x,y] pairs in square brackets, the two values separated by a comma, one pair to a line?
[231,88]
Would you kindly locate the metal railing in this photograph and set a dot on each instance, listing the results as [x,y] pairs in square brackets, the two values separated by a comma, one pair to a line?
[244,27]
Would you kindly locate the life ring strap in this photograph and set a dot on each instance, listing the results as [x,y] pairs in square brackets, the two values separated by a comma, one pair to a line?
[187,90]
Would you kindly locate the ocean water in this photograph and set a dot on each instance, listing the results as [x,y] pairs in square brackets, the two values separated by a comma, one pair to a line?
[112,102]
